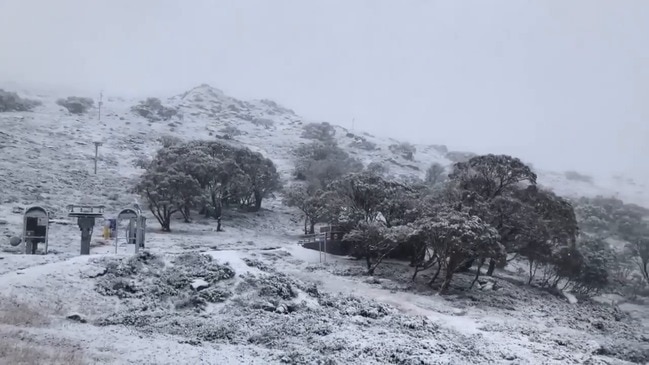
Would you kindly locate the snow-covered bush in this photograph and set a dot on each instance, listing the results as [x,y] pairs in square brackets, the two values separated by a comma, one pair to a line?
[231,131]
[263,122]
[153,110]
[12,102]
[435,174]
[458,156]
[575,176]
[404,149]
[76,104]
[319,131]
[320,163]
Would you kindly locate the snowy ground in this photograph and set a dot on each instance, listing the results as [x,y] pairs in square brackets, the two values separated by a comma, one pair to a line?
[271,301]
[268,300]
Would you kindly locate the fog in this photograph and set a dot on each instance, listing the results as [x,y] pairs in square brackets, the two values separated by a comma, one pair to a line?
[560,84]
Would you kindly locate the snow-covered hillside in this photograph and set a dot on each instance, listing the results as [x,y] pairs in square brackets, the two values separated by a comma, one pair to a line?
[48,153]
[270,301]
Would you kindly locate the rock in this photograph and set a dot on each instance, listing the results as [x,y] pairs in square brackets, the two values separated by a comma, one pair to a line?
[569,297]
[18,210]
[76,318]
[281,309]
[15,241]
[199,284]
[3,222]
[92,272]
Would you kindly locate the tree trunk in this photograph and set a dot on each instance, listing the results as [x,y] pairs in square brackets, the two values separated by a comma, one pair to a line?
[414,276]
[492,267]
[306,222]
[477,273]
[368,260]
[312,228]
[166,224]
[532,272]
[439,268]
[447,281]
[466,266]
[258,199]
[186,212]
[218,224]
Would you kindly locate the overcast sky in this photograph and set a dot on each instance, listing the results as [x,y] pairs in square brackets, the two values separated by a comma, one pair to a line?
[561,84]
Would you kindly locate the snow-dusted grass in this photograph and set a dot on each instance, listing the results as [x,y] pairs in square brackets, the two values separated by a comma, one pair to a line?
[29,352]
[18,347]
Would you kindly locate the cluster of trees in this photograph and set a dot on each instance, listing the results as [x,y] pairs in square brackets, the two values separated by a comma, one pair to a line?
[204,176]
[610,219]
[487,211]
[12,102]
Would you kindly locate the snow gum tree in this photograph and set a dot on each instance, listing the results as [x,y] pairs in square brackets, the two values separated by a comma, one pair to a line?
[167,190]
[374,241]
[320,163]
[486,178]
[456,237]
[205,175]
[435,174]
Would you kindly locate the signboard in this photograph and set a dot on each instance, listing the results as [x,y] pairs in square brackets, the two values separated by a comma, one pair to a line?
[85,210]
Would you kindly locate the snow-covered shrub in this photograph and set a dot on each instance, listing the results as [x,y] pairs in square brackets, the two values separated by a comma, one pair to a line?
[153,110]
[169,140]
[76,104]
[575,176]
[231,131]
[320,163]
[404,149]
[263,122]
[319,131]
[11,102]
[457,156]
[435,174]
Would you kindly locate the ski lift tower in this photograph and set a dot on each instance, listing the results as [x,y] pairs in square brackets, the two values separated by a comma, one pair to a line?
[86,215]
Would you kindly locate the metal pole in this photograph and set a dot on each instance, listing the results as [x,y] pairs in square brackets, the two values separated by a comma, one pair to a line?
[116,232]
[101,95]
[97,144]
[325,247]
[96,150]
